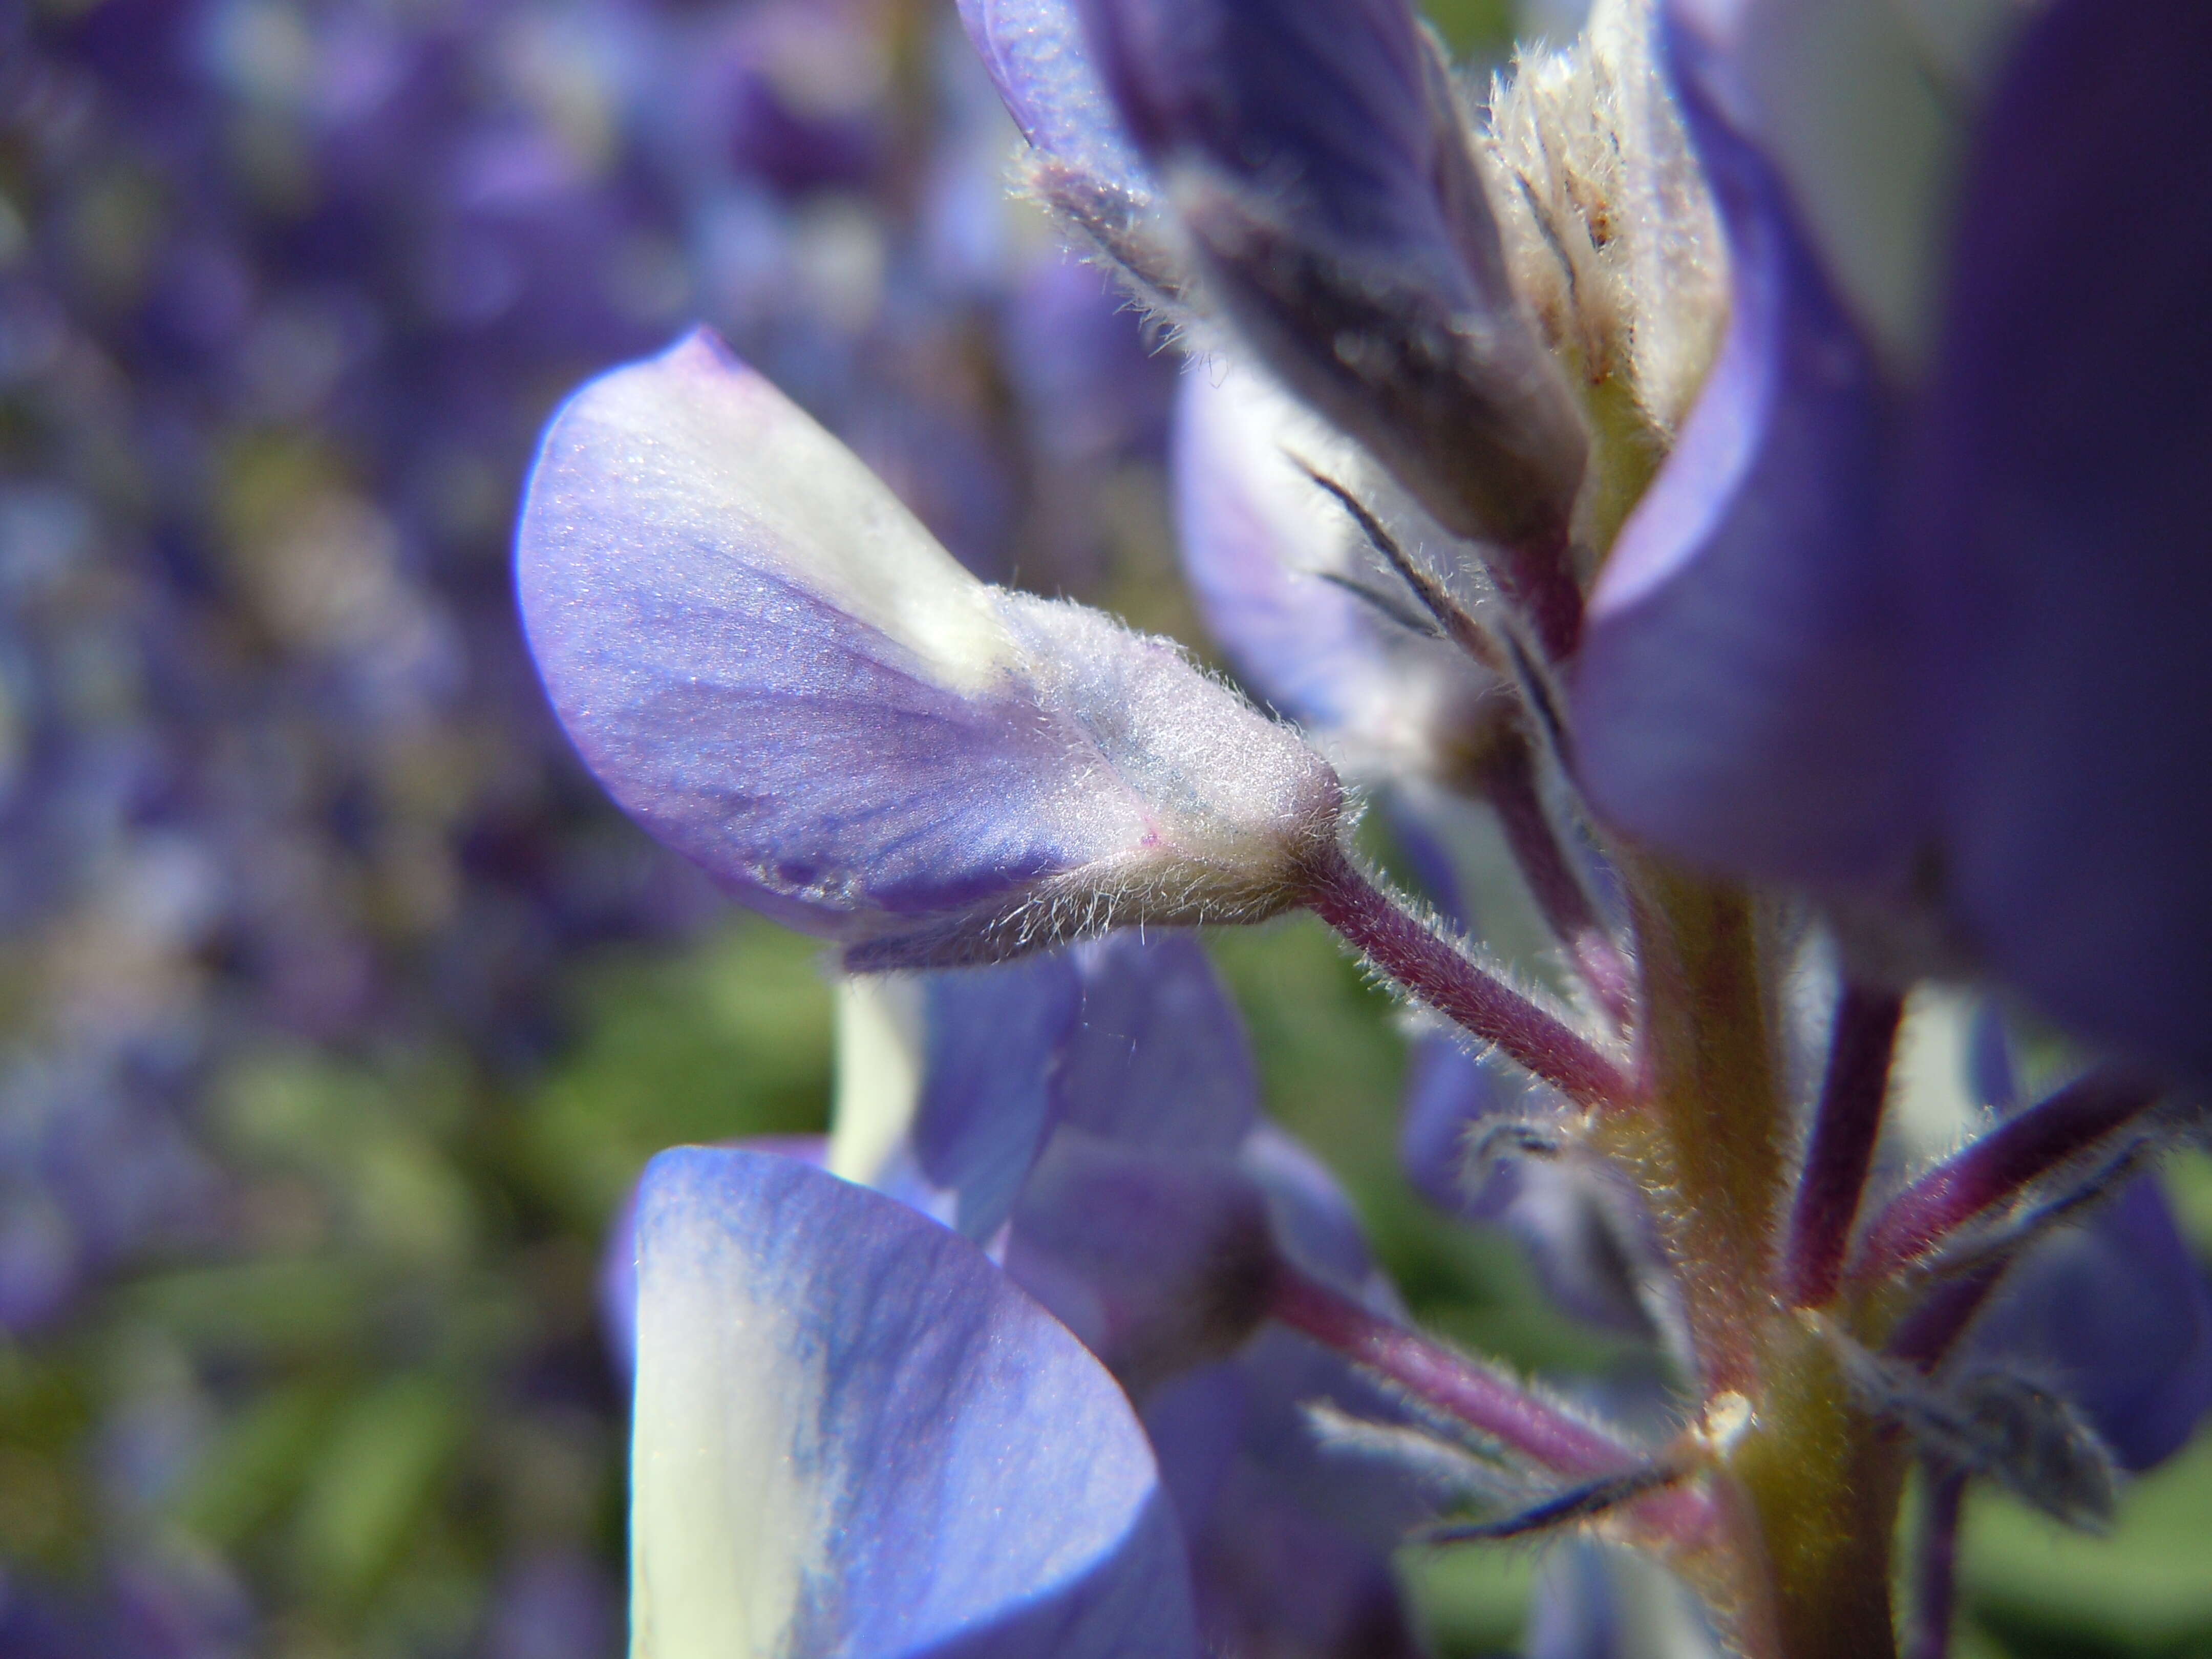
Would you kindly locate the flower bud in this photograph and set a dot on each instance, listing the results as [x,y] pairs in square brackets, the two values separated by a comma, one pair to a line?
[1318,157]
[770,664]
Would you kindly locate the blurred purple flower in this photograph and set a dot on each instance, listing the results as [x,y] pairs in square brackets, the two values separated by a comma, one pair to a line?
[1584,1231]
[1927,630]
[1150,1219]
[555,1604]
[2115,1314]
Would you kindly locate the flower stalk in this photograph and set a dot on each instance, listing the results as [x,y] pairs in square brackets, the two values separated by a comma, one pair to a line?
[1427,965]
[2001,1167]
[1447,1382]
[1845,1126]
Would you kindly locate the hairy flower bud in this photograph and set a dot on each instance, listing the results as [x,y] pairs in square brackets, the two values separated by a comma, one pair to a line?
[773,667]
[1320,159]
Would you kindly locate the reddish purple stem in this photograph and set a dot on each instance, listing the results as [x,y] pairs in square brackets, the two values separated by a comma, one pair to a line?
[1450,1384]
[1537,576]
[1845,1126]
[1924,1336]
[1999,1167]
[1433,968]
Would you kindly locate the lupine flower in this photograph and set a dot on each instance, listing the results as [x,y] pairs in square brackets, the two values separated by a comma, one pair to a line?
[728,609]
[1546,549]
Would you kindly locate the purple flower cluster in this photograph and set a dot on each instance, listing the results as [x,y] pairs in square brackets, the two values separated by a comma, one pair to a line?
[1730,502]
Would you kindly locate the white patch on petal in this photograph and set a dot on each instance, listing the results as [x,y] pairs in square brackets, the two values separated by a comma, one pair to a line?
[731,1505]
[879,1061]
[709,452]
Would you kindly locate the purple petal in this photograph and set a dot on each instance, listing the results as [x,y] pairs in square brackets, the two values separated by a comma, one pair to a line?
[1255,545]
[2059,505]
[1159,1266]
[1160,1059]
[994,1038]
[1268,554]
[773,667]
[1315,1225]
[1736,701]
[1291,1541]
[1278,1576]
[2118,1315]
[1339,86]
[1038,56]
[1131,1040]
[854,1435]
[1119,1138]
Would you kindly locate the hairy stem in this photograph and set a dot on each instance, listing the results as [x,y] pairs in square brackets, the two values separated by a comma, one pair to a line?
[1454,1386]
[1434,968]
[1844,1129]
[1709,1155]
[1824,1482]
[1998,1168]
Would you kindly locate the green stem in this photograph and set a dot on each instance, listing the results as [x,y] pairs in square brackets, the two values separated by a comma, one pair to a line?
[1817,1479]
[1711,1150]
[1823,1480]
